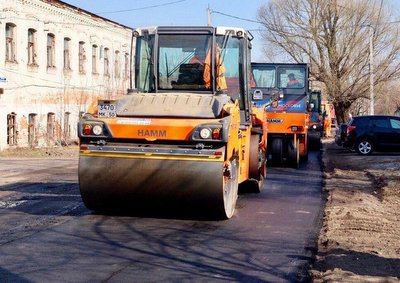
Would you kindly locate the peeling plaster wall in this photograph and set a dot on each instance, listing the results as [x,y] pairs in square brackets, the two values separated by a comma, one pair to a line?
[38,89]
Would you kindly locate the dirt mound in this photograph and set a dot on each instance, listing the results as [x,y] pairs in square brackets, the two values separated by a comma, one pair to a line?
[360,237]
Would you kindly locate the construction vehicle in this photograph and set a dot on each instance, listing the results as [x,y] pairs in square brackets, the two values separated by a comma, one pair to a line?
[315,125]
[185,137]
[287,119]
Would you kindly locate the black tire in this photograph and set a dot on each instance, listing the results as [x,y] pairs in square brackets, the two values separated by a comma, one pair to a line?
[364,147]
[277,151]
[305,157]
[257,165]
[294,154]
[230,191]
[314,141]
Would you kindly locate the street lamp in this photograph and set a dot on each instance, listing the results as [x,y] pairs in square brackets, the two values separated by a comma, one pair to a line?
[371,70]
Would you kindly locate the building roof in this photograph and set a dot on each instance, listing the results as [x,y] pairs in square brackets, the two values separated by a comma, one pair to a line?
[79,10]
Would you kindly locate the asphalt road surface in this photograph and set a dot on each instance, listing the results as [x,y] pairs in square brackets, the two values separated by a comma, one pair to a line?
[47,235]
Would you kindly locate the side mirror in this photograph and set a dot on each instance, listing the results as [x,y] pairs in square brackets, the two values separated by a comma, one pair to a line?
[257,94]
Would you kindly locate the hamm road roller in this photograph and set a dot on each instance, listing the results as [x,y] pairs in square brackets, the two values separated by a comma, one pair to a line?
[288,118]
[185,137]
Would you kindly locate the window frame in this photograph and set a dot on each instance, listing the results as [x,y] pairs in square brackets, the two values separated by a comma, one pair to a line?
[10,42]
[126,66]
[106,59]
[32,46]
[383,120]
[95,59]
[67,53]
[82,57]
[12,129]
[117,67]
[51,50]
[51,127]
[286,70]
[32,129]
[397,123]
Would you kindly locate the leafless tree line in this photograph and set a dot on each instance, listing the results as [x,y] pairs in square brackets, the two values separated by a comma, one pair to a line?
[334,37]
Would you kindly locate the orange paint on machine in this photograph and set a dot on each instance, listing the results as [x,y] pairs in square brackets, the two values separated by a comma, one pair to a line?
[185,137]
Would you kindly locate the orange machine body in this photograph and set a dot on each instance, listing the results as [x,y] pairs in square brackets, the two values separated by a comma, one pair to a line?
[177,141]
[287,120]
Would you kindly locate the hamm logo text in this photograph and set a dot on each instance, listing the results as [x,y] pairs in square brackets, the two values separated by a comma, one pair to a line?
[152,133]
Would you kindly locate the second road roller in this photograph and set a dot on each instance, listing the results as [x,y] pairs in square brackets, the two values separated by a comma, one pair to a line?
[185,137]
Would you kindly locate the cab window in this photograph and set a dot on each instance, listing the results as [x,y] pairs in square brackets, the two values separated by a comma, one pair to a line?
[184,62]
[228,58]
[264,77]
[289,77]
[143,64]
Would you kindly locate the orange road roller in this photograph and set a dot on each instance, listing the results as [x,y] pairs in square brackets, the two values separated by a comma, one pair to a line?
[185,137]
[288,118]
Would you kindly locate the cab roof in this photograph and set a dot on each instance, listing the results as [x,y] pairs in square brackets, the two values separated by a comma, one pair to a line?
[220,30]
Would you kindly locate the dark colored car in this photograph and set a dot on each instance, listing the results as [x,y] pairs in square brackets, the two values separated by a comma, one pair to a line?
[366,134]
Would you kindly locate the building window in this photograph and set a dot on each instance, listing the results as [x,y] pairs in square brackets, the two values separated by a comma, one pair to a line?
[32,47]
[51,44]
[67,128]
[51,127]
[82,57]
[32,130]
[117,67]
[106,62]
[126,67]
[94,59]
[12,132]
[10,42]
[67,61]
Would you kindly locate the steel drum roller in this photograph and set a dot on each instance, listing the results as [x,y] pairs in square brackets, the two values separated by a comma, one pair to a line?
[151,183]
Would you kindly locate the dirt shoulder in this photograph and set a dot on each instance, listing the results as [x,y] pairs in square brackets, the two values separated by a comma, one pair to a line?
[70,151]
[360,237]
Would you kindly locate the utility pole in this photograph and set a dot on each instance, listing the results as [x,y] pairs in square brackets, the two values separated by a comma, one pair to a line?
[371,70]
[209,15]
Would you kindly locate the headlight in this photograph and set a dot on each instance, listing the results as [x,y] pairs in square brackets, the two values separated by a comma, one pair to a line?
[297,128]
[205,133]
[314,127]
[97,130]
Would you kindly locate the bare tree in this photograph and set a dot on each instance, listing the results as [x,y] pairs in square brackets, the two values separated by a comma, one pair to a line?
[333,35]
[388,98]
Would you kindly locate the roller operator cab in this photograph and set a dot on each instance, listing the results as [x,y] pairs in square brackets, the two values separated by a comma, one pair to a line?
[288,118]
[182,140]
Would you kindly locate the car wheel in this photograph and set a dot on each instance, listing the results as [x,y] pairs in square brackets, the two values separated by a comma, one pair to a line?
[364,147]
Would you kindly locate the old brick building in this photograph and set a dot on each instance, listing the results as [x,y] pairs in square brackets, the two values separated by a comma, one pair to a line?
[55,59]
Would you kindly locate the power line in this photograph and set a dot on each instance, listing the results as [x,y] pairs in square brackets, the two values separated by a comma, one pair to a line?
[259,22]
[236,17]
[141,8]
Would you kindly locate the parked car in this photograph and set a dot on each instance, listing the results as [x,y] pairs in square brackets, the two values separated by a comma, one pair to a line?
[366,134]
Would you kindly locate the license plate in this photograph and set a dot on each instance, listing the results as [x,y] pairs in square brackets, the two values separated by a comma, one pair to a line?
[107,109]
